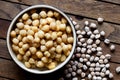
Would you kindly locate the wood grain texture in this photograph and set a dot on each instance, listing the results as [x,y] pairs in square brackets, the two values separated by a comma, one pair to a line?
[88,8]
[112,1]
[2,78]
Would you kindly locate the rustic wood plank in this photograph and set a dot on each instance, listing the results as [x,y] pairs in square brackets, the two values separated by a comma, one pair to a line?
[2,78]
[88,8]
[112,1]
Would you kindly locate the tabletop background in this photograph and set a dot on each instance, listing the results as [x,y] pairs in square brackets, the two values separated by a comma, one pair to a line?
[79,10]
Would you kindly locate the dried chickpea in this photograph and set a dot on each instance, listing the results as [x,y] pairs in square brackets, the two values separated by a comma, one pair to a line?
[64,38]
[25,16]
[62,27]
[68,29]
[25,47]
[23,32]
[13,34]
[28,53]
[44,59]
[35,16]
[27,27]
[50,13]
[40,64]
[24,40]
[15,48]
[30,38]
[30,32]
[35,22]
[56,14]
[20,44]
[63,58]
[59,33]
[46,28]
[59,49]
[27,64]
[31,61]
[15,41]
[52,65]
[41,34]
[19,37]
[43,14]
[43,42]
[19,57]
[20,25]
[34,28]
[33,50]
[37,40]
[47,36]
[59,40]
[70,39]
[63,20]
[54,35]
[39,54]
[53,26]
[43,21]
[28,22]
[49,44]
[21,51]
[47,54]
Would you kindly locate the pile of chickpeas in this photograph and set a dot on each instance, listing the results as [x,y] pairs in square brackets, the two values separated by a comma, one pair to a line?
[42,39]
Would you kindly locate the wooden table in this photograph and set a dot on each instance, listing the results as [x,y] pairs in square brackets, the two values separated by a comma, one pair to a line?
[79,10]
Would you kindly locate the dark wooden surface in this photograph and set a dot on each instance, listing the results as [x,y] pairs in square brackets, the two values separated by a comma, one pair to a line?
[80,11]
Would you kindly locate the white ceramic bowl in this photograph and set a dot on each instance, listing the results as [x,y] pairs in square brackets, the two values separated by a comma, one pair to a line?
[19,63]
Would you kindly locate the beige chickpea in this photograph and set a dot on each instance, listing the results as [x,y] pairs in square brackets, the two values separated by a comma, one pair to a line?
[58,56]
[69,46]
[41,34]
[62,27]
[27,64]
[40,64]
[67,53]
[13,34]
[56,14]
[44,59]
[54,35]
[20,20]
[53,26]
[68,29]
[34,29]
[59,49]
[28,22]
[49,44]
[25,58]
[31,61]
[65,48]
[20,44]
[50,13]
[43,14]
[53,55]
[39,54]
[15,41]
[24,40]
[46,28]
[47,36]
[37,45]
[59,40]
[70,39]
[43,21]
[20,25]
[35,16]
[21,51]
[19,37]
[62,44]
[63,20]
[64,38]
[35,22]
[52,65]
[19,57]
[25,16]
[63,58]
[43,48]
[50,60]
[27,27]
[23,32]
[28,53]
[52,50]
[47,54]
[43,42]
[55,44]
[58,22]
[37,40]
[25,47]
[33,50]
[15,48]
[30,38]
[34,56]
[59,33]
[17,30]
[49,20]
[30,32]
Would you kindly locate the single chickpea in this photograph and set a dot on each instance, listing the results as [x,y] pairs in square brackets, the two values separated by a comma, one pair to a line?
[65,48]
[63,20]
[46,28]
[31,61]
[52,50]
[39,54]
[21,51]
[55,44]
[34,29]
[25,47]
[27,64]
[25,58]
[27,27]
[24,40]
[35,16]
[28,53]
[68,29]
[47,54]
[30,38]
[17,30]
[44,59]
[50,60]
[49,44]
[58,56]
[58,22]
[34,57]
[52,65]
[35,22]
[59,33]
[50,13]
[25,16]
[67,53]
[62,27]
[19,57]
[36,45]
[59,40]
[43,42]
[43,21]
[62,44]
[47,36]
[59,49]
[20,20]
[56,14]
[69,46]
[63,58]
[70,39]
[19,37]
[30,32]
[64,38]
[15,48]
[33,50]
[43,14]
[53,26]
[53,55]
[54,35]
[37,40]
[49,20]
[20,25]
[43,48]
[15,41]
[41,34]
[23,32]
[40,64]
[20,44]
[13,34]
[28,22]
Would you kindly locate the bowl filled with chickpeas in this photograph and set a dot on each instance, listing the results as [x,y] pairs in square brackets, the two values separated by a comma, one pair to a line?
[41,39]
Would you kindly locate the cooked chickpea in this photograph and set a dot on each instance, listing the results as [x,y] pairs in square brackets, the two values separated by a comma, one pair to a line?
[49,44]
[20,44]
[50,13]
[39,54]
[21,51]
[19,57]
[47,54]
[63,58]
[46,28]
[19,37]
[15,41]
[53,26]
[13,34]
[30,38]
[59,33]
[40,64]
[24,40]
[44,59]
[62,27]
[25,47]
[41,34]
[52,50]
[43,48]
[34,29]
[64,21]
[54,35]
[67,53]
[35,16]
[43,42]
[33,50]
[47,36]
[43,21]
[27,64]
[20,25]
[52,65]
[28,53]
[69,46]
[64,38]
[37,40]
[43,14]
[59,49]
[59,40]
[70,39]
[68,29]
[56,14]
[15,48]
[25,16]
[65,48]
[31,61]
[23,32]
[27,27]
[30,32]
[28,22]
[49,20]
[25,58]
[17,30]
[58,56]
[35,22]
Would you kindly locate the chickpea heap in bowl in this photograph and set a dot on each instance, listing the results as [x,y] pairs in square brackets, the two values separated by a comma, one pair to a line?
[41,39]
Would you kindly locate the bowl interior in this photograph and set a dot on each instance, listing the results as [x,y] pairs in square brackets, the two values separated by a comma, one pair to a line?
[19,63]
